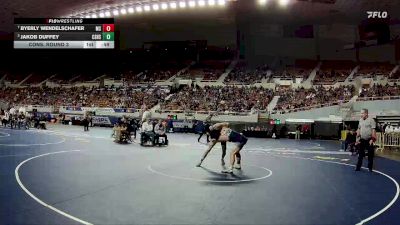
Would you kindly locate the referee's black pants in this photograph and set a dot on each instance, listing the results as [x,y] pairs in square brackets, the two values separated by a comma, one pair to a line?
[365,146]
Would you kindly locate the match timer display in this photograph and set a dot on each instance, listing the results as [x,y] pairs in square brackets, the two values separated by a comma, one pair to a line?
[64,33]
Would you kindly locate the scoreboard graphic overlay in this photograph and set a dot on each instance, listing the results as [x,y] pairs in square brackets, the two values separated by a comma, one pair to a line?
[76,33]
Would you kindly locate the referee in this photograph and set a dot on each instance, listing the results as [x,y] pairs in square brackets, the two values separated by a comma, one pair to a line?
[366,137]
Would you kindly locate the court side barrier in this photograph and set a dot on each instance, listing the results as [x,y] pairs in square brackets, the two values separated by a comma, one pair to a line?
[383,140]
[379,141]
[387,140]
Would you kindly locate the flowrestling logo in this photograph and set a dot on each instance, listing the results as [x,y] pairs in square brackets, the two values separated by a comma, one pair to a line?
[377,14]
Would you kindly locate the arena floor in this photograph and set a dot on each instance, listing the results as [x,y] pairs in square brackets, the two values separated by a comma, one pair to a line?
[67,176]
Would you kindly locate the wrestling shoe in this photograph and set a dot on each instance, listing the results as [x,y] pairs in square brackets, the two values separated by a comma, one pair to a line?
[222,162]
[238,167]
[229,170]
[199,164]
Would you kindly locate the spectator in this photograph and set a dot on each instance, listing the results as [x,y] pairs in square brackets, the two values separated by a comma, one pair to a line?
[299,98]
[350,141]
[160,131]
[298,132]
[243,75]
[123,97]
[378,90]
[228,98]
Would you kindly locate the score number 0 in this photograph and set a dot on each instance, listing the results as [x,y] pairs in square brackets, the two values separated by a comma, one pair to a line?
[108,27]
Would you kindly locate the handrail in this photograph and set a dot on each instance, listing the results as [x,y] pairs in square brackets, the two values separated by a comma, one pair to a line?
[335,103]
[245,112]
[213,81]
[310,107]
[378,98]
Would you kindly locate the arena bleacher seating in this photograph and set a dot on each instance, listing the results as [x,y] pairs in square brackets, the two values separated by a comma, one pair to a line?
[395,75]
[133,88]
[207,69]
[372,69]
[334,71]
[228,98]
[291,73]
[16,77]
[82,96]
[243,74]
[380,91]
[302,98]
[37,77]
